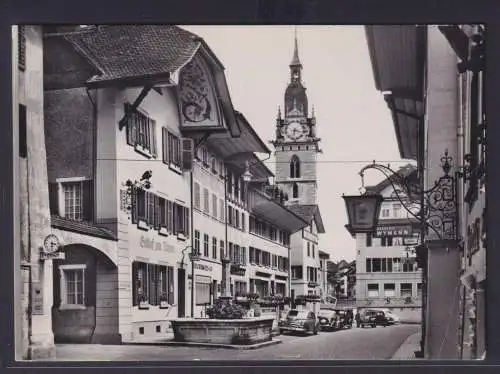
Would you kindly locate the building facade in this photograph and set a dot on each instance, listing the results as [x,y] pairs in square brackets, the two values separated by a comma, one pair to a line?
[145,174]
[296,147]
[34,287]
[387,274]
[323,273]
[442,89]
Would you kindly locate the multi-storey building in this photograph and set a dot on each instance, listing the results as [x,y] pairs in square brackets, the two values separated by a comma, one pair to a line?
[323,273]
[387,274]
[33,299]
[145,159]
[296,148]
[437,101]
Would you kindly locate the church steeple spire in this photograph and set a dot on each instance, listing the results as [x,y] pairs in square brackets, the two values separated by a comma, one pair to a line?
[295,59]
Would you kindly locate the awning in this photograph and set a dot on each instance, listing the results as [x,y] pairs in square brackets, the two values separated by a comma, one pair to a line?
[397,54]
[272,211]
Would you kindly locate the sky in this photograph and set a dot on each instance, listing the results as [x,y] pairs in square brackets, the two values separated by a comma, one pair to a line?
[352,117]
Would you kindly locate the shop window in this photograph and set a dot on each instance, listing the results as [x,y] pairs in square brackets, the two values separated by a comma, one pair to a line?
[389,289]
[373,290]
[141,131]
[406,290]
[72,283]
[202,289]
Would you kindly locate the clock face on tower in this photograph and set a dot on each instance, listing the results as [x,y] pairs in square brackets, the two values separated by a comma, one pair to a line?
[294,131]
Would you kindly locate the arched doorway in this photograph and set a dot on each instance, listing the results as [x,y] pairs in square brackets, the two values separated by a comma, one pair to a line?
[85,308]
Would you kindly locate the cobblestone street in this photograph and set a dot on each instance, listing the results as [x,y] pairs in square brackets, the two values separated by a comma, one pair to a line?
[356,344]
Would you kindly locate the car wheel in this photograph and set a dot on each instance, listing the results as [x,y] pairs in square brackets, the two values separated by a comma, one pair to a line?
[373,326]
[282,332]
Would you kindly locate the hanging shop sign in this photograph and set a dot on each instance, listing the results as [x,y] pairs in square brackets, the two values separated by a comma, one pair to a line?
[50,249]
[394,230]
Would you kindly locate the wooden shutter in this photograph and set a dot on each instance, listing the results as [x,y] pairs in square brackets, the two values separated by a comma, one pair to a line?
[135,280]
[157,216]
[134,202]
[150,216]
[152,135]
[170,216]
[186,221]
[54,198]
[165,145]
[151,284]
[170,285]
[187,150]
[88,200]
[131,126]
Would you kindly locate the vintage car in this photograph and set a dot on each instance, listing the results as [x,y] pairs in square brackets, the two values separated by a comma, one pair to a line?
[303,321]
[335,319]
[373,318]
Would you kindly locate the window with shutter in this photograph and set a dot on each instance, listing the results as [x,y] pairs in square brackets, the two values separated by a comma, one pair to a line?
[187,153]
[196,243]
[152,287]
[222,210]
[206,201]
[141,131]
[214,248]
[170,272]
[150,197]
[141,205]
[186,221]
[170,216]
[214,205]
[243,256]
[205,246]
[196,193]
[221,249]
[135,283]
[165,147]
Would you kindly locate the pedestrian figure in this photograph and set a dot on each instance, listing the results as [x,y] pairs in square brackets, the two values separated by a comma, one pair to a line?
[358,319]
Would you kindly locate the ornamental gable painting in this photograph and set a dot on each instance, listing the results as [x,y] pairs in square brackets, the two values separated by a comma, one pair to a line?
[197,94]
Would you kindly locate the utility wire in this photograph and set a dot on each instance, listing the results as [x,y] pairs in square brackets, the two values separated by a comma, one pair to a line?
[276,162]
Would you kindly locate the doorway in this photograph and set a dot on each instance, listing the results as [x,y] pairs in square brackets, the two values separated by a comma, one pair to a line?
[181,292]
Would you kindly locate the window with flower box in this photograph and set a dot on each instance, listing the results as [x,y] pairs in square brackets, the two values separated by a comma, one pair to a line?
[152,284]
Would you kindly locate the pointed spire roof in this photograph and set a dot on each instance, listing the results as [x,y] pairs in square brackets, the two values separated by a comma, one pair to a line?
[295,59]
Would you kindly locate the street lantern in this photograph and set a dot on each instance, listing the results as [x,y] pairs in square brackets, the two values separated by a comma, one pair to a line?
[363,212]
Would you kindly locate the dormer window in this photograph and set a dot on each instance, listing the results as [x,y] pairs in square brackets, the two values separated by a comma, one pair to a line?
[294,167]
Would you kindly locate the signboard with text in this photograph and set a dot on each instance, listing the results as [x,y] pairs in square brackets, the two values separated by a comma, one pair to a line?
[394,230]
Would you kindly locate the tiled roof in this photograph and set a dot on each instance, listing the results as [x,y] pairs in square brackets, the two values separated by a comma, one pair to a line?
[81,227]
[120,51]
[308,213]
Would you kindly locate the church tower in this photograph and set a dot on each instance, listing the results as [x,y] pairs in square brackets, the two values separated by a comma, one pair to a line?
[296,145]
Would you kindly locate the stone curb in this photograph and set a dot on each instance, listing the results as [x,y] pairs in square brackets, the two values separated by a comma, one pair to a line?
[406,351]
[207,345]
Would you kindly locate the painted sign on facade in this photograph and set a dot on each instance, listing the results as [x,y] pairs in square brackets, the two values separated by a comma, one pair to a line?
[150,243]
[198,103]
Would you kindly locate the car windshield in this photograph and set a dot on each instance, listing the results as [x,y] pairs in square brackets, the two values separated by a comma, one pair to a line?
[298,314]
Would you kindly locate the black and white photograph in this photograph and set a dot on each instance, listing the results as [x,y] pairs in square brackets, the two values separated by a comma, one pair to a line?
[249,192]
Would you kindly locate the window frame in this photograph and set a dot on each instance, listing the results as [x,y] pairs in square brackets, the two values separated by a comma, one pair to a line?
[64,305]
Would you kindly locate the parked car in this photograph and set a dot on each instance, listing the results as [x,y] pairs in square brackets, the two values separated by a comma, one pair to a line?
[328,319]
[392,318]
[367,318]
[346,317]
[374,318]
[303,321]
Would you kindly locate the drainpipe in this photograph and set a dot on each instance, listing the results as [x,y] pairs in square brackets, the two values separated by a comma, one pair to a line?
[192,240]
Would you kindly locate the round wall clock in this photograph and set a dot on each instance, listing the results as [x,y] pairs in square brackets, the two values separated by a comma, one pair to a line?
[51,243]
